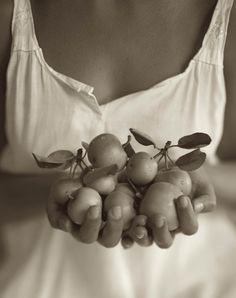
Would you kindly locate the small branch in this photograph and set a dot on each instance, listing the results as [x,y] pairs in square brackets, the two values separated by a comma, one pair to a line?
[158,154]
[137,192]
[170,159]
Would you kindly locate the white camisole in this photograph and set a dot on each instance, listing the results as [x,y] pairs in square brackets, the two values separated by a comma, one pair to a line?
[46,111]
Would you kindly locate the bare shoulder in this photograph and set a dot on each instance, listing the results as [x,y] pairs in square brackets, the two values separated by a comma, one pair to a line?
[6,10]
[227,148]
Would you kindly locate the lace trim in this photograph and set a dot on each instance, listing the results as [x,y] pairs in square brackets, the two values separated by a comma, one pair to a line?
[217,32]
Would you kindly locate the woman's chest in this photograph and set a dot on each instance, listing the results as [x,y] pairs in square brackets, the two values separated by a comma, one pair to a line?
[124,48]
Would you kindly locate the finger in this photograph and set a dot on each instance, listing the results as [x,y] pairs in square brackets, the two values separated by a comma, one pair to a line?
[162,235]
[111,234]
[127,241]
[58,218]
[205,197]
[141,236]
[138,231]
[187,217]
[139,220]
[204,203]
[89,230]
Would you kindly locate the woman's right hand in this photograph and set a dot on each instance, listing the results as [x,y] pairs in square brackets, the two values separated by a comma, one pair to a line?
[93,228]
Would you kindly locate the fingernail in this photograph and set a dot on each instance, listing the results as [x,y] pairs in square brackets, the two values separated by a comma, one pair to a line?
[139,234]
[127,243]
[198,207]
[67,226]
[116,212]
[62,224]
[183,201]
[94,212]
[160,222]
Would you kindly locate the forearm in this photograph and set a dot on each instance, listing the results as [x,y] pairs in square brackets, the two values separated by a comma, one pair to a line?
[23,195]
[223,177]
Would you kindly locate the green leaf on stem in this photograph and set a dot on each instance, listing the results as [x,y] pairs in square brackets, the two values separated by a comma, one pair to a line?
[195,140]
[129,150]
[60,156]
[46,163]
[142,138]
[191,161]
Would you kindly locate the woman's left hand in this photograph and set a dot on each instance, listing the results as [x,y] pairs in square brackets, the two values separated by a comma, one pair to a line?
[202,199]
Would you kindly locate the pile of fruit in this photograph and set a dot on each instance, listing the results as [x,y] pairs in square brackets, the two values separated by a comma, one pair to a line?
[107,173]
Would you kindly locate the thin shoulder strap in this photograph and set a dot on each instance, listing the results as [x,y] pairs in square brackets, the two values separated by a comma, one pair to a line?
[22,27]
[213,46]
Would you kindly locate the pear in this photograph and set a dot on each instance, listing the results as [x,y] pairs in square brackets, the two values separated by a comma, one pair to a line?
[105,150]
[177,177]
[160,198]
[126,201]
[64,187]
[141,168]
[103,180]
[83,199]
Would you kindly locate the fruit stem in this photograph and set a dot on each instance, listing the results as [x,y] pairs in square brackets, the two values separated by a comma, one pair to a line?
[137,192]
[75,167]
[158,154]
[159,160]
[168,156]
[70,172]
[166,161]
[84,163]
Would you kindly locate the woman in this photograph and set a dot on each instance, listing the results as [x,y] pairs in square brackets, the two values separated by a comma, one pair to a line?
[121,50]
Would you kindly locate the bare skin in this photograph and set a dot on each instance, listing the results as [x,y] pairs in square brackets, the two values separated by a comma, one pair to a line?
[94,37]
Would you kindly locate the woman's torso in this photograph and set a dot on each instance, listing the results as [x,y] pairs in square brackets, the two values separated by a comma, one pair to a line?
[126,63]
[119,47]
[47,110]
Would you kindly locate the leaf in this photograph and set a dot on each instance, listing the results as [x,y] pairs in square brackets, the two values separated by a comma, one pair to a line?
[195,140]
[60,156]
[67,164]
[191,161]
[142,138]
[46,163]
[129,150]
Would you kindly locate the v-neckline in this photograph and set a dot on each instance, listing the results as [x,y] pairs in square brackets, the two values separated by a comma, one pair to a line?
[81,86]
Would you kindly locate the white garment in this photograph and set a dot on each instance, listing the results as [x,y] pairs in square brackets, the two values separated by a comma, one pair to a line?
[47,110]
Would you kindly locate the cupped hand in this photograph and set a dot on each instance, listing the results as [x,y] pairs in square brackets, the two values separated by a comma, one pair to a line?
[202,199]
[92,229]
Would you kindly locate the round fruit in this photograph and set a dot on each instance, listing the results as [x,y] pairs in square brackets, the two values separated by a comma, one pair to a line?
[64,187]
[125,201]
[83,199]
[125,188]
[159,198]
[102,184]
[141,168]
[105,150]
[177,177]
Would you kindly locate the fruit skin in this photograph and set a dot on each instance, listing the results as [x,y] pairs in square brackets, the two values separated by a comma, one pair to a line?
[141,168]
[125,201]
[125,188]
[83,199]
[105,150]
[103,185]
[177,177]
[159,198]
[64,187]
